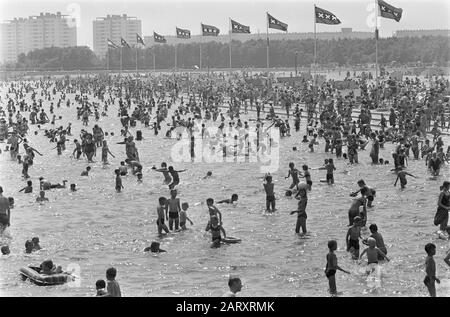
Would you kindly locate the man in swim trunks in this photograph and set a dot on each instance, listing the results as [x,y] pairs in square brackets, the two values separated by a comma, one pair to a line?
[5,212]
[173,209]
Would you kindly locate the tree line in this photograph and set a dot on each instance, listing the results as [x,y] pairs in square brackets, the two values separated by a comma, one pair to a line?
[342,52]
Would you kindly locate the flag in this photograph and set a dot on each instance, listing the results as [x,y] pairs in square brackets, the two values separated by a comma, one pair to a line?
[139,39]
[209,30]
[239,28]
[111,44]
[159,38]
[124,43]
[183,34]
[325,17]
[389,12]
[276,24]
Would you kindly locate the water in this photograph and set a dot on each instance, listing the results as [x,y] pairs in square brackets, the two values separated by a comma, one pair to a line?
[95,228]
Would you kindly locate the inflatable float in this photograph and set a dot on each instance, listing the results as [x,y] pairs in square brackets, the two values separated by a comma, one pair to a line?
[32,273]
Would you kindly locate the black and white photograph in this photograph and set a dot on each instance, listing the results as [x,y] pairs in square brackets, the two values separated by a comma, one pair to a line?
[196,151]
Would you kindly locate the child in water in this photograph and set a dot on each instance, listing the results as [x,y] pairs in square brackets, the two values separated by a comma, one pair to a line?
[28,189]
[301,217]
[332,267]
[160,212]
[215,228]
[213,211]
[184,217]
[352,238]
[430,267]
[41,197]
[373,253]
[119,185]
[234,198]
[402,176]
[270,196]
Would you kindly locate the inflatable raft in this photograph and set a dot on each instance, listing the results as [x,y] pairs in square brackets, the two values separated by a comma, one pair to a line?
[32,273]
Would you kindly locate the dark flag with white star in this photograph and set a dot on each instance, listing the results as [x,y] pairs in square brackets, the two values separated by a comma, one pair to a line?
[239,28]
[389,12]
[183,34]
[139,39]
[276,24]
[111,44]
[124,43]
[209,30]
[159,38]
[325,17]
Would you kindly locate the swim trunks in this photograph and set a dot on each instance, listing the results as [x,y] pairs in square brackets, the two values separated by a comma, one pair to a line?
[330,273]
[4,219]
[270,198]
[354,244]
[173,215]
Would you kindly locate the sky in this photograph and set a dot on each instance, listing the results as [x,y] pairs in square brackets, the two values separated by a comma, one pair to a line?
[162,16]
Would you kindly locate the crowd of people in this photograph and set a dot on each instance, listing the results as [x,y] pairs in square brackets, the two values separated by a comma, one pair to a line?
[190,105]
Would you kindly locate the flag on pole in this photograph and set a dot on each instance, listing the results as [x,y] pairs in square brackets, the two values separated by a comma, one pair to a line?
[276,24]
[111,44]
[183,34]
[325,17]
[209,30]
[124,43]
[389,12]
[159,38]
[239,28]
[139,40]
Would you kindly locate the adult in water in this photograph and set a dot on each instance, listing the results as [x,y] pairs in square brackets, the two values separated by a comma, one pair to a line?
[5,212]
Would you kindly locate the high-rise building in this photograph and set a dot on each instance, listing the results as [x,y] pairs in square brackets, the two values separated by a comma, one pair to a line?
[114,27]
[22,35]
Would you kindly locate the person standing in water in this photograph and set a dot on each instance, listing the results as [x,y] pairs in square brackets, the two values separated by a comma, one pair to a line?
[5,212]
[332,267]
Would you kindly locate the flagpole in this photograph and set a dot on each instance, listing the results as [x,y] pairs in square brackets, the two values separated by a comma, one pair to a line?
[230,44]
[201,40]
[176,53]
[315,48]
[267,30]
[136,58]
[376,54]
[154,59]
[107,60]
[121,58]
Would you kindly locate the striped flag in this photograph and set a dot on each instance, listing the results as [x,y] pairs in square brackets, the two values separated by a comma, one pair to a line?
[111,44]
[183,34]
[124,43]
[389,12]
[209,30]
[159,38]
[239,28]
[325,17]
[139,39]
[276,24]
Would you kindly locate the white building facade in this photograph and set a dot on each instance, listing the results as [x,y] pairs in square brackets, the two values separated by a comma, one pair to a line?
[114,27]
[22,35]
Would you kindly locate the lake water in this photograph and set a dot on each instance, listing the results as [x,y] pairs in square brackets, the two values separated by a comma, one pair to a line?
[95,227]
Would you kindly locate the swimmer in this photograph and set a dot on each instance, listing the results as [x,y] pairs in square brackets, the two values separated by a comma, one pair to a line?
[29,246]
[36,245]
[48,268]
[73,187]
[100,286]
[332,266]
[154,248]
[5,250]
[235,285]
[270,196]
[430,268]
[352,238]
[175,177]
[373,253]
[295,174]
[301,210]
[160,213]
[370,193]
[86,172]
[307,176]
[119,185]
[28,189]
[113,287]
[105,152]
[234,198]
[208,175]
[41,197]
[215,228]
[5,211]
[402,176]
[123,169]
[173,209]
[184,217]
[165,171]
[213,211]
